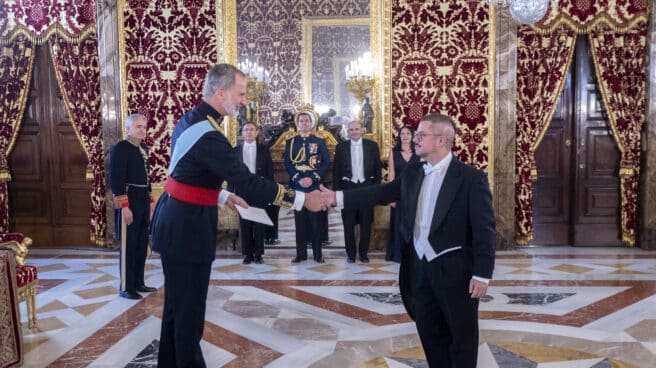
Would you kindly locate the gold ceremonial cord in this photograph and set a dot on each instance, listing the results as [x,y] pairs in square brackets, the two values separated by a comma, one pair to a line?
[300,153]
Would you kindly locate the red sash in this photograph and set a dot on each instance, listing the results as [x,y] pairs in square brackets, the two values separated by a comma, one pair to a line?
[191,194]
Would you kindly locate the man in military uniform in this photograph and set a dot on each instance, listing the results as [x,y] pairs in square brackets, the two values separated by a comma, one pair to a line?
[307,161]
[185,220]
[128,176]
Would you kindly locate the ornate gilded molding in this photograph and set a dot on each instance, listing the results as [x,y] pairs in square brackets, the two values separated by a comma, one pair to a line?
[381,49]
[226,25]
[492,98]
[122,66]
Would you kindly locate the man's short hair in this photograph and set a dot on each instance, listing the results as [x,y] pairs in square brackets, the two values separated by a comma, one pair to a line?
[439,118]
[131,118]
[220,76]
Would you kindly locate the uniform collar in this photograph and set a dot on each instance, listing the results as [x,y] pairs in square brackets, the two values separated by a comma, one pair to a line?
[205,109]
[134,141]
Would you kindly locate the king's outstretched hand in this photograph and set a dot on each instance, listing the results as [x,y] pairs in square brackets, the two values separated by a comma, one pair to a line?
[234,200]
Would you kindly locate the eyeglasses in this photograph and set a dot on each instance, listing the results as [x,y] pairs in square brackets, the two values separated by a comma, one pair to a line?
[420,135]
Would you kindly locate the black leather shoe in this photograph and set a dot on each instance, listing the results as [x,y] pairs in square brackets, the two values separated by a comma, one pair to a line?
[350,260]
[298,259]
[247,260]
[327,242]
[320,260]
[129,295]
[146,289]
[364,259]
[258,259]
[274,241]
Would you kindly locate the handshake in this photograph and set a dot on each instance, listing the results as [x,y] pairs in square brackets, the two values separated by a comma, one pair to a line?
[320,200]
[315,201]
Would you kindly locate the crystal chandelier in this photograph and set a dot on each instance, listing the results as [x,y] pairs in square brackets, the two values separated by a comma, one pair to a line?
[524,11]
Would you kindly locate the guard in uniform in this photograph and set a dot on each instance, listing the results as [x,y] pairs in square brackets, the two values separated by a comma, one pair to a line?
[307,161]
[185,220]
[128,176]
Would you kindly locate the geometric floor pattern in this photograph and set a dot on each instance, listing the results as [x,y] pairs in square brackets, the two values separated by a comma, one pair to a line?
[546,307]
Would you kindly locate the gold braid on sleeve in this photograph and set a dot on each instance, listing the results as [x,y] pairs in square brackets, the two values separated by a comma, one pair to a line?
[285,196]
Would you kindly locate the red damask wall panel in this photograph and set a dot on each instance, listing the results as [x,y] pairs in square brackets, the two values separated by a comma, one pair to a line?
[440,55]
[269,32]
[169,46]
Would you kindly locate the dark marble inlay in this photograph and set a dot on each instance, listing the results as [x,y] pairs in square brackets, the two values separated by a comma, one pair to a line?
[386,298]
[414,363]
[147,358]
[509,359]
[536,298]
[603,364]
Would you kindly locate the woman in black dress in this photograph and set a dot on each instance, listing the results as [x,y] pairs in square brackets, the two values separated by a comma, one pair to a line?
[401,156]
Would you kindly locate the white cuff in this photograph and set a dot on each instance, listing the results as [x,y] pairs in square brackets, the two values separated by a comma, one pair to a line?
[299,199]
[481,279]
[223,197]
[339,199]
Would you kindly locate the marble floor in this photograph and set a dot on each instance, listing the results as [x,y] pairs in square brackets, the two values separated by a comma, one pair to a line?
[547,307]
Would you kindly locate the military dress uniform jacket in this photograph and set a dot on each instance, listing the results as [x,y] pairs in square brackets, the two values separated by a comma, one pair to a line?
[185,231]
[128,168]
[306,157]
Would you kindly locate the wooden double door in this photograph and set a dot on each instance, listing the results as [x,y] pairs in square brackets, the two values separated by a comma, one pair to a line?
[49,198]
[576,199]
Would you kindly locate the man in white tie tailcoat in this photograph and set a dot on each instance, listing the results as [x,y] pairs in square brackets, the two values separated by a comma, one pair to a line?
[448,242]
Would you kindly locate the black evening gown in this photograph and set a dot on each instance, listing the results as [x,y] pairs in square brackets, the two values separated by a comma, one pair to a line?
[393,252]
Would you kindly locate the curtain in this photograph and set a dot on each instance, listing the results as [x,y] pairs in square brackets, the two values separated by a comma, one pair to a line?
[618,37]
[78,76]
[542,64]
[16,60]
[620,60]
[70,28]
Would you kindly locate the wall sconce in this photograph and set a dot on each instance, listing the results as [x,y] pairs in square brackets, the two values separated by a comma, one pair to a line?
[359,81]
[257,79]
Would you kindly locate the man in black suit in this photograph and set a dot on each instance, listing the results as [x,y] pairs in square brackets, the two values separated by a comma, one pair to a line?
[447,233]
[356,165]
[257,158]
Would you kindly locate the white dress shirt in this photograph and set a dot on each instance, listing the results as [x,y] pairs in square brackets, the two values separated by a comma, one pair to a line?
[430,188]
[357,162]
[249,152]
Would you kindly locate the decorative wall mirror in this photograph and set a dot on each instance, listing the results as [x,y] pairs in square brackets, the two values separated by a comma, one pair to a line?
[329,45]
[270,33]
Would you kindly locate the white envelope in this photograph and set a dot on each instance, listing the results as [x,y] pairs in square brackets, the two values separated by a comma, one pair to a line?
[254,214]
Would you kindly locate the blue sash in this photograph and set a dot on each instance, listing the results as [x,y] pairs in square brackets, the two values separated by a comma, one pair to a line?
[187,140]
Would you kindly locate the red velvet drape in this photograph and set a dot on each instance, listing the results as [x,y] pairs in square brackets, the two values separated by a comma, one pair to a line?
[620,60]
[542,64]
[16,60]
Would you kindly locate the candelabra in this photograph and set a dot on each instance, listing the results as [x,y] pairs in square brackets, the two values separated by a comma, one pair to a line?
[360,81]
[257,79]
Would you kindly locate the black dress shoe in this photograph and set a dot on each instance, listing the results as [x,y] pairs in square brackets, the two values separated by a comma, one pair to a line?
[274,241]
[247,260]
[364,259]
[327,242]
[350,260]
[320,260]
[298,259]
[129,295]
[146,289]
[258,259]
